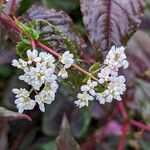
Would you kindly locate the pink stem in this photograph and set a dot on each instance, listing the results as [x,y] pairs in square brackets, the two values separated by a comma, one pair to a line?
[139,124]
[122,110]
[33,44]
[123,136]
[7,22]
[47,49]
[12,7]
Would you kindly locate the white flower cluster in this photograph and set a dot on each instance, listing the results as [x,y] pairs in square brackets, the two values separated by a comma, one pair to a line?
[39,72]
[67,61]
[113,85]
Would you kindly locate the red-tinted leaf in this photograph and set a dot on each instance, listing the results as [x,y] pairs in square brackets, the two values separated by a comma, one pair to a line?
[60,20]
[111,22]
[139,55]
[3,135]
[9,115]
[142,97]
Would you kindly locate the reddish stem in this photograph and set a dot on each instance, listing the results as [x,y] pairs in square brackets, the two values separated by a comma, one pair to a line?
[123,136]
[17,141]
[47,49]
[58,56]
[12,7]
[139,124]
[33,44]
[122,110]
[8,22]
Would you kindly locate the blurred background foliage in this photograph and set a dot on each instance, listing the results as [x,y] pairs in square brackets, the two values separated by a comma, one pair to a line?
[94,128]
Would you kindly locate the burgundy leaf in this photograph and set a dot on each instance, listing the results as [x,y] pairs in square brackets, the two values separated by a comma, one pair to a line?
[3,135]
[111,22]
[139,55]
[60,20]
[8,115]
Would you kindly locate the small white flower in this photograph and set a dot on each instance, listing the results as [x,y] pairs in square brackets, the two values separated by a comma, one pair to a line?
[51,88]
[104,97]
[23,100]
[125,64]
[83,99]
[116,58]
[42,98]
[63,73]
[104,75]
[21,64]
[50,78]
[117,87]
[38,75]
[67,59]
[89,87]
[33,56]
[47,95]
[47,59]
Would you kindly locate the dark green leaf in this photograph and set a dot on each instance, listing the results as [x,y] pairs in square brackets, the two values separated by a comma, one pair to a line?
[80,123]
[25,5]
[5,71]
[94,68]
[21,49]
[48,146]
[74,80]
[65,141]
[86,79]
[66,5]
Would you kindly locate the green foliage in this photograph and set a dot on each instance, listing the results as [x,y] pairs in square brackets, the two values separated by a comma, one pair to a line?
[25,5]
[5,71]
[33,33]
[66,5]
[74,80]
[48,146]
[21,49]
[93,70]
[24,45]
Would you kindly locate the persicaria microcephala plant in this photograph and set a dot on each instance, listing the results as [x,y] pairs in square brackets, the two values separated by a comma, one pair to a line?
[42,70]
